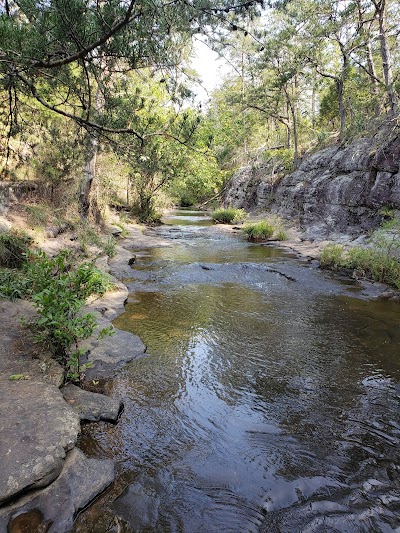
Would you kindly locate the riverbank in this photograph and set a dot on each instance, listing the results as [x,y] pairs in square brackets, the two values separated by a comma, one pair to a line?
[43,470]
[311,250]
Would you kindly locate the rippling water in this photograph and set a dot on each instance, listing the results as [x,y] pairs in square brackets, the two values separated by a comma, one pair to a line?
[269,400]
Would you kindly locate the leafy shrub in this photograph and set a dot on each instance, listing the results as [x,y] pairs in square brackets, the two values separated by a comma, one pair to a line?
[13,284]
[59,290]
[14,246]
[228,215]
[145,210]
[258,231]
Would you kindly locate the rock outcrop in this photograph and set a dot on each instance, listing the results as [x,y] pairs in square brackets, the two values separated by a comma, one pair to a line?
[45,480]
[336,190]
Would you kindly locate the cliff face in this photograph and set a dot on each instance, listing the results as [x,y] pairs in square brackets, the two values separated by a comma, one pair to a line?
[335,190]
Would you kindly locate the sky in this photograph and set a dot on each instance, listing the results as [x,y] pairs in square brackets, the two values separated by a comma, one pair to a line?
[210,68]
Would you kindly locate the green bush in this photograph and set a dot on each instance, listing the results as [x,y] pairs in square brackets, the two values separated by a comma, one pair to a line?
[258,231]
[58,289]
[13,284]
[14,246]
[228,215]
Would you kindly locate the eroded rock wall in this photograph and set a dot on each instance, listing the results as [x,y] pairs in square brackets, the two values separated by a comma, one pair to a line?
[335,190]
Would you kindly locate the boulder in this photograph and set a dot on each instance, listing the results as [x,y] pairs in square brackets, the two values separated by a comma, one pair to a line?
[37,429]
[90,405]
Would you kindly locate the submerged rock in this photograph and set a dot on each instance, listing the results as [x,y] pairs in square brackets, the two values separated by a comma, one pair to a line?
[139,504]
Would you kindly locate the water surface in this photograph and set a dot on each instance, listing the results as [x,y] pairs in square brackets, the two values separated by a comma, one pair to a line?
[269,400]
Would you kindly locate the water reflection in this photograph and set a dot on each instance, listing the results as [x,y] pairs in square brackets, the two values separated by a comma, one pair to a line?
[265,404]
[187,217]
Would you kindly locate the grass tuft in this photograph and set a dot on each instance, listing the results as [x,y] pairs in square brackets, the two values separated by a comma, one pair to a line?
[374,263]
[259,231]
[228,215]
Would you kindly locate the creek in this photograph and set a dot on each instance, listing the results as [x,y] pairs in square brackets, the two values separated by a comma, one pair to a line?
[269,399]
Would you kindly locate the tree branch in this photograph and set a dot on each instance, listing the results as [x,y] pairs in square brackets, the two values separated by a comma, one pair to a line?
[79,120]
[86,50]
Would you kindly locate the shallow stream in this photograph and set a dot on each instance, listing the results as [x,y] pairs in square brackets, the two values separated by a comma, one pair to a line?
[269,399]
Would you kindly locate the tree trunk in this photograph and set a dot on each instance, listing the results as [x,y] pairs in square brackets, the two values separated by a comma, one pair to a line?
[88,204]
[342,108]
[295,135]
[89,174]
[371,70]
[313,114]
[386,57]
[340,86]
[288,128]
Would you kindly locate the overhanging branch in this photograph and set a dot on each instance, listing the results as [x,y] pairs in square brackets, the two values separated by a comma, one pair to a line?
[86,50]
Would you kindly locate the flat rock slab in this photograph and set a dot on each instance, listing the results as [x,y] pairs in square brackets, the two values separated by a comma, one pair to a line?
[112,303]
[37,429]
[119,265]
[54,508]
[91,405]
[111,352]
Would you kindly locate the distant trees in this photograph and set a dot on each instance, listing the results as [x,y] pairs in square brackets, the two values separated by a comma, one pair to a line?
[315,67]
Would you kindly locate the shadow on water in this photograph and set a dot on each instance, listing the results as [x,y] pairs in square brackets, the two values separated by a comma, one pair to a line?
[269,400]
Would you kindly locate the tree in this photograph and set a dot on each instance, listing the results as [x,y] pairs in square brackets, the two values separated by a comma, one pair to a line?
[312,67]
[56,51]
[69,56]
[381,14]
